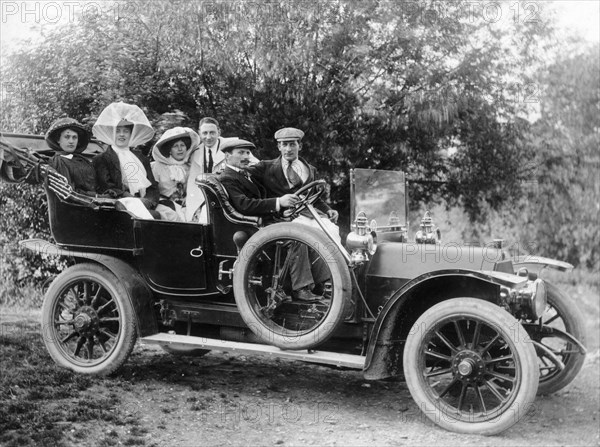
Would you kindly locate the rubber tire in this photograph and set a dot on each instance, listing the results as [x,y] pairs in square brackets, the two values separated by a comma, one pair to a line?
[574,325]
[340,276]
[128,327]
[187,352]
[503,323]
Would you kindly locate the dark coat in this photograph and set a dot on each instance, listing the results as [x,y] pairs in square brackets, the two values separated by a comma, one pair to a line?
[78,171]
[270,174]
[108,175]
[247,197]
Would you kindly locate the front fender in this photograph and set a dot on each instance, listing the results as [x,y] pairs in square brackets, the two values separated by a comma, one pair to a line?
[536,263]
[394,322]
[139,293]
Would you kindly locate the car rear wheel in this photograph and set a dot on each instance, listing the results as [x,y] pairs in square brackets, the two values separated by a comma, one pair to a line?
[470,366]
[88,322]
[561,315]
[263,282]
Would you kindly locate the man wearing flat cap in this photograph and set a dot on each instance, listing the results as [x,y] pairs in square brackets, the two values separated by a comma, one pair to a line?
[206,159]
[286,175]
[247,196]
[289,172]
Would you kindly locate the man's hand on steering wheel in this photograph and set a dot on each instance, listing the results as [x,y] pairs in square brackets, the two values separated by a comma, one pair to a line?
[288,200]
[333,215]
[308,194]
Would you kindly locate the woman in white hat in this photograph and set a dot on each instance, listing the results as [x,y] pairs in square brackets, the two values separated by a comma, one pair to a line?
[171,168]
[122,171]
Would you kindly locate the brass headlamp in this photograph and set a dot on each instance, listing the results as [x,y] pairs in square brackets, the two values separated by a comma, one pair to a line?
[362,241]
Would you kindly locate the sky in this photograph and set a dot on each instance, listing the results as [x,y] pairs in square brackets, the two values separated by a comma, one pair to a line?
[581,17]
[23,19]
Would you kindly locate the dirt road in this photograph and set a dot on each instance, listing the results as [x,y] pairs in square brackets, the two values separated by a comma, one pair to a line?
[238,400]
[158,399]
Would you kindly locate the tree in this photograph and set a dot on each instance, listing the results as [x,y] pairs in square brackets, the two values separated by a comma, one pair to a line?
[563,211]
[432,88]
[376,84]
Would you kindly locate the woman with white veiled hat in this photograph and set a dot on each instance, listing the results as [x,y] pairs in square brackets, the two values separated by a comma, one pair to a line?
[171,168]
[120,170]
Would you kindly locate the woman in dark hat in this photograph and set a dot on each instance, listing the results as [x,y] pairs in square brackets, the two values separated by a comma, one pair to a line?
[69,138]
[171,168]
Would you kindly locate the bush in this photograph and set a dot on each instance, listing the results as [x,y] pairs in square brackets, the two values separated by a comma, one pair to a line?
[24,216]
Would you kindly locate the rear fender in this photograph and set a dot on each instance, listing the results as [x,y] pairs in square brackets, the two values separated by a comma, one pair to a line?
[139,294]
[395,321]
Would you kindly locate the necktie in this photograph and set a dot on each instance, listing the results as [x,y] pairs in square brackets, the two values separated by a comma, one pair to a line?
[208,167]
[293,177]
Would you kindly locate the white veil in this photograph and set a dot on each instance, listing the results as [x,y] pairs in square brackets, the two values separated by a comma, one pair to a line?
[105,128]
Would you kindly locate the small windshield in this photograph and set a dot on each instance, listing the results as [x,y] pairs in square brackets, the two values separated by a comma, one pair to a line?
[381,195]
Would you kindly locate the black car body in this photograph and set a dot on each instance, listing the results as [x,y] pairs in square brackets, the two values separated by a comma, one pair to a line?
[475,332]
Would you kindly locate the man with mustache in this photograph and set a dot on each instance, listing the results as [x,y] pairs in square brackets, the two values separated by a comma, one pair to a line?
[207,158]
[278,179]
[249,197]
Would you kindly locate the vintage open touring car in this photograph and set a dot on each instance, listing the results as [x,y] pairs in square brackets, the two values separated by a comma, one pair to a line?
[475,333]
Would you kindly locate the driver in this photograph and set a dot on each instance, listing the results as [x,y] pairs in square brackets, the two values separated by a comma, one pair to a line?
[288,173]
[249,197]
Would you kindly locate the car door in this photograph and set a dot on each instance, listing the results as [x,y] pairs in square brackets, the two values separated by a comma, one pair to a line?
[174,255]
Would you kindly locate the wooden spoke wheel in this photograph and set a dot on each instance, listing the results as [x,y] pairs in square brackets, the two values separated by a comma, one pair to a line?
[470,366]
[88,323]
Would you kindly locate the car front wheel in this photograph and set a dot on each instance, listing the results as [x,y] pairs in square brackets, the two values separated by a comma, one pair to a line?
[88,322]
[470,366]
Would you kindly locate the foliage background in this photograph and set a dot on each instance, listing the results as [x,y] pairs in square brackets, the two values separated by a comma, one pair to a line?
[493,118]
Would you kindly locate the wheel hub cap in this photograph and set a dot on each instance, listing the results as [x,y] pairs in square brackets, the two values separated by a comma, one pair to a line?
[82,321]
[86,321]
[468,365]
[465,367]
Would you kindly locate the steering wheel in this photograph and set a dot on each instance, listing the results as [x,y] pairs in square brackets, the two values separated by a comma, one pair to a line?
[308,194]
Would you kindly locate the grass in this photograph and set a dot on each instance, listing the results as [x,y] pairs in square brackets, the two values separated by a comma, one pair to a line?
[42,404]
[21,297]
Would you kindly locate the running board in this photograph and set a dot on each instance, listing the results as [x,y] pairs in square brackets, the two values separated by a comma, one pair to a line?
[187,341]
